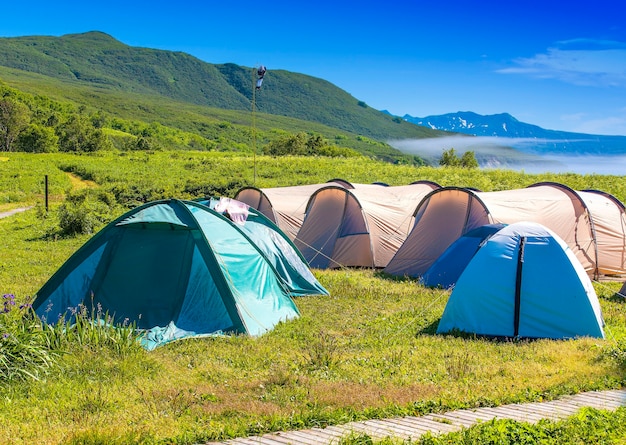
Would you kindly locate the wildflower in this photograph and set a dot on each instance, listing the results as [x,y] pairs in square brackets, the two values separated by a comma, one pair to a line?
[9,301]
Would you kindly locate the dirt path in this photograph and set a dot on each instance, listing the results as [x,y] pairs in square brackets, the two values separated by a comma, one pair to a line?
[14,211]
[77,184]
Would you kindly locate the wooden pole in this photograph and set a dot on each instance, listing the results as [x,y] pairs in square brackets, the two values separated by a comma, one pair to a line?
[254,124]
[46,191]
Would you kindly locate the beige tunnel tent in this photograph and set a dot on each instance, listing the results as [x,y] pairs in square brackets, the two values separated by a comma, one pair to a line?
[284,206]
[592,223]
[359,227]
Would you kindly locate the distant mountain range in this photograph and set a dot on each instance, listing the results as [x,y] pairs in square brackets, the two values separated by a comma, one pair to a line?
[525,137]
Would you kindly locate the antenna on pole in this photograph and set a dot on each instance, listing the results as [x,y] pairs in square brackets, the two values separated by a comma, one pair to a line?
[257,81]
[254,125]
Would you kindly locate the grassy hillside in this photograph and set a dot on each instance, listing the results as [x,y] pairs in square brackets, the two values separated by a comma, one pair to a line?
[220,129]
[99,61]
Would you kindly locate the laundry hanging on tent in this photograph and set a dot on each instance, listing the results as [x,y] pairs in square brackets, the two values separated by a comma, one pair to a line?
[237,211]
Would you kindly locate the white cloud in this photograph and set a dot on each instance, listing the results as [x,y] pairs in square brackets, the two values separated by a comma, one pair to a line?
[579,62]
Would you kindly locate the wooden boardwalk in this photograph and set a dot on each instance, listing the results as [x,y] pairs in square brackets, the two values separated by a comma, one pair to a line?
[410,428]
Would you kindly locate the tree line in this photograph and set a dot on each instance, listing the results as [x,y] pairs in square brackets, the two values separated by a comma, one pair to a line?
[29,127]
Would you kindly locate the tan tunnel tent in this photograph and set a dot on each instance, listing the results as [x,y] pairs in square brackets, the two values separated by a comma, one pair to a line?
[284,206]
[359,227]
[609,224]
[591,223]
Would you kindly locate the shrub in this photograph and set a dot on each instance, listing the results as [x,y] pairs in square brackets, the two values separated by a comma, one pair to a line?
[449,158]
[617,351]
[85,210]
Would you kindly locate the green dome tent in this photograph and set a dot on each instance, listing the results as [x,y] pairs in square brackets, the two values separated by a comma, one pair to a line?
[176,269]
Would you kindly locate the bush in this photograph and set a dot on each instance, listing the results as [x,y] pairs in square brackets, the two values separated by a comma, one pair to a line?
[301,144]
[79,135]
[449,158]
[84,211]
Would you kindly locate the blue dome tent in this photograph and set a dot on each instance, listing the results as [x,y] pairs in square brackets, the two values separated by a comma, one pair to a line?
[448,267]
[524,282]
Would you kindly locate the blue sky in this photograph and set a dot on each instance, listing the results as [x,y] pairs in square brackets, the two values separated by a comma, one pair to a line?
[555,64]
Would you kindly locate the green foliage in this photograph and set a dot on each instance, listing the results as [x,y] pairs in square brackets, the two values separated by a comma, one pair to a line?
[617,351]
[587,427]
[94,329]
[29,349]
[301,144]
[23,352]
[83,212]
[38,139]
[468,160]
[449,158]
[14,117]
[78,134]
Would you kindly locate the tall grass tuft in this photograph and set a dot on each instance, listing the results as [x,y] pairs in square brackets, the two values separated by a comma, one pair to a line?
[24,354]
[29,348]
[92,328]
[321,354]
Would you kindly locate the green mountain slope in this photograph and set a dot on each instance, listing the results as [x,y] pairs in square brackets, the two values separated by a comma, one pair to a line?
[98,60]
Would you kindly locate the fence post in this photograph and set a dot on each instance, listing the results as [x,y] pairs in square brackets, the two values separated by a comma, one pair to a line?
[46,187]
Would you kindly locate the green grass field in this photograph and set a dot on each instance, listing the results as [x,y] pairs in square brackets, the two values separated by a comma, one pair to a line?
[367,351]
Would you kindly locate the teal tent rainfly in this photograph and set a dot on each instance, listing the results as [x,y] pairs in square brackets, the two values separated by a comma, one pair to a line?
[176,269]
[275,244]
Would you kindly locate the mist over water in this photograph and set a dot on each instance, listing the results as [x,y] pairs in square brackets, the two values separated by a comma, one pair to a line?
[519,154]
[583,164]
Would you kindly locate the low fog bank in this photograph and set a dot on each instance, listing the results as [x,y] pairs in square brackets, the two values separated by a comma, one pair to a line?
[518,154]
